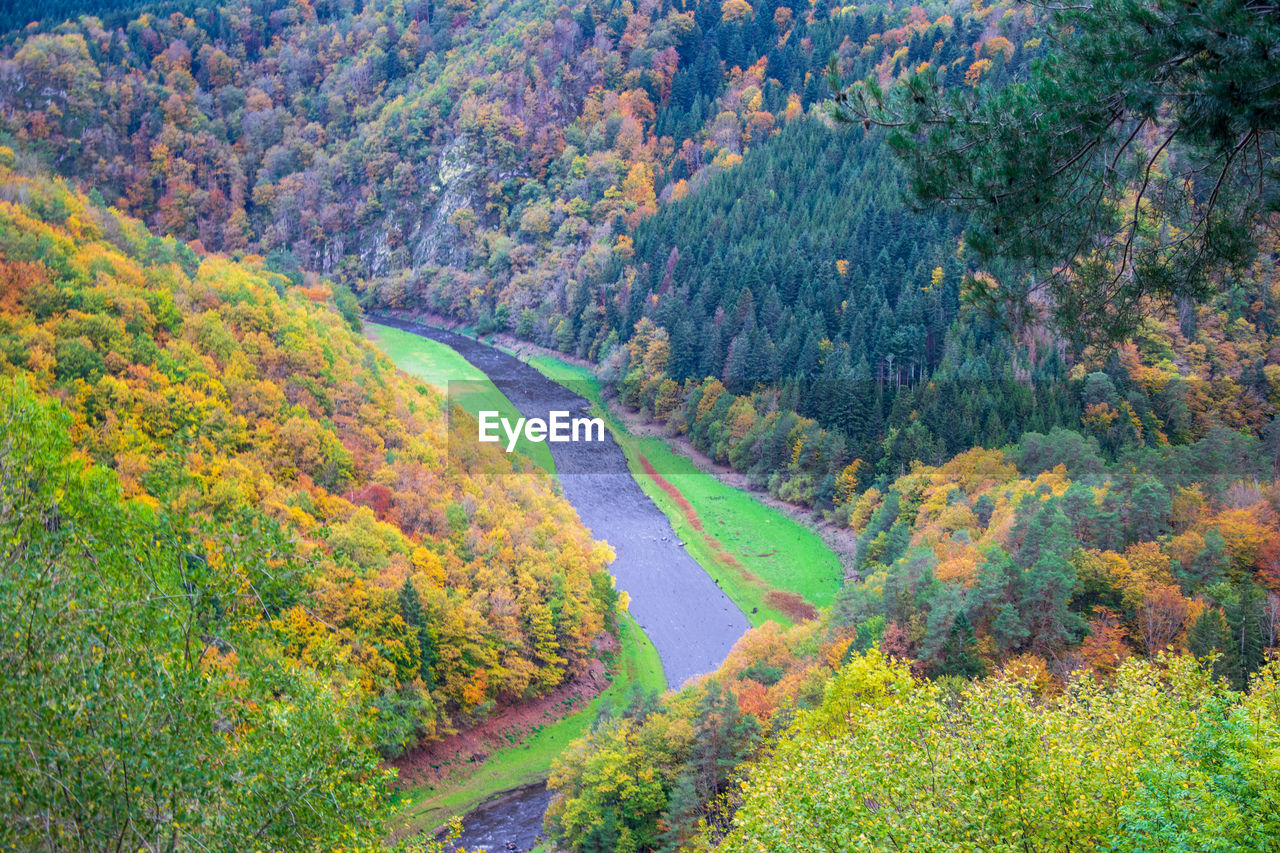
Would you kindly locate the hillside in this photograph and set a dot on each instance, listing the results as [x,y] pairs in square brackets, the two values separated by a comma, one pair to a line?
[488,162]
[990,288]
[312,521]
[1063,625]
[145,695]
[1040,563]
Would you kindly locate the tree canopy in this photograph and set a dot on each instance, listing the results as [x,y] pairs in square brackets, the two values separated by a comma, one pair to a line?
[1134,161]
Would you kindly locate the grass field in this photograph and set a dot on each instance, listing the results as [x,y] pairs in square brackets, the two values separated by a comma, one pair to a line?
[438,364]
[762,558]
[636,664]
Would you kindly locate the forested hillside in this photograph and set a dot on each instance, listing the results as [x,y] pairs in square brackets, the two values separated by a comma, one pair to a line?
[487,162]
[991,288]
[853,330]
[1052,519]
[820,439]
[146,699]
[506,169]
[320,551]
[1158,753]
[312,131]
[1040,564]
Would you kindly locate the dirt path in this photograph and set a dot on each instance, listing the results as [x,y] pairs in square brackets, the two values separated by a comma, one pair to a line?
[692,624]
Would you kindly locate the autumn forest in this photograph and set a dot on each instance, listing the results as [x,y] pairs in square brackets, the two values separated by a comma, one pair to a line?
[943,339]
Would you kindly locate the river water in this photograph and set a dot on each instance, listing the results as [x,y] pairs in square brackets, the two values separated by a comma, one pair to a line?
[690,621]
[508,822]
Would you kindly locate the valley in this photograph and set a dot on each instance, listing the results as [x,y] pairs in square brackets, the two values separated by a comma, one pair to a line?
[690,621]
[934,347]
[754,532]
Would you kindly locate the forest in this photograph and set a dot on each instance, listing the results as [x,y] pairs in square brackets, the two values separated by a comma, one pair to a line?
[990,289]
[282,486]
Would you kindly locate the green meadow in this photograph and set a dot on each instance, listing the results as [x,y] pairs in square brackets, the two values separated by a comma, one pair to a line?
[438,364]
[750,548]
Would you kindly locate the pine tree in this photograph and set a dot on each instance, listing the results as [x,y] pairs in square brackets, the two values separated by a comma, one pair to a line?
[1210,635]
[1047,168]
[959,655]
[413,615]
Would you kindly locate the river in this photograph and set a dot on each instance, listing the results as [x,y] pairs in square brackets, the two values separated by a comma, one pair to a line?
[690,621]
[508,822]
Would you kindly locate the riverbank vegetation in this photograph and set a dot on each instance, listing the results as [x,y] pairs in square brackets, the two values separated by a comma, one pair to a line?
[635,669]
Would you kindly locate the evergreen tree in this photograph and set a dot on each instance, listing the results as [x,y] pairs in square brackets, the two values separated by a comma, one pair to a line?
[1210,635]
[412,613]
[1047,167]
[960,656]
